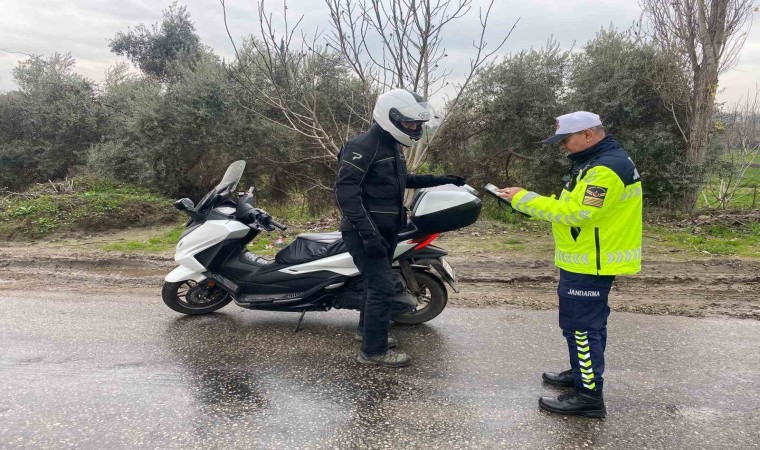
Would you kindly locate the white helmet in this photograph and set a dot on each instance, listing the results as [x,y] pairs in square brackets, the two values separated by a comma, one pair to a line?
[399,105]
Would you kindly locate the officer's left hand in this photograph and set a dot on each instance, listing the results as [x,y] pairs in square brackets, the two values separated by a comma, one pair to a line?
[454,179]
[509,192]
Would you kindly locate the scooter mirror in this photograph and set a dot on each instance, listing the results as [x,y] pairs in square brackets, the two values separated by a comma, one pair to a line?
[184,204]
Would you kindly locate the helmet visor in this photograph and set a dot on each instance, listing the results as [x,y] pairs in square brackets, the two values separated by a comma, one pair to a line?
[411,123]
[421,113]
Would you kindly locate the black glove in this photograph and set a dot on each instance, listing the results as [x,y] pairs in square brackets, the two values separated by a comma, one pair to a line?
[375,247]
[453,179]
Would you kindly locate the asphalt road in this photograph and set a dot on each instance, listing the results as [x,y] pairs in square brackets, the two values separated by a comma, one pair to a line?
[109,371]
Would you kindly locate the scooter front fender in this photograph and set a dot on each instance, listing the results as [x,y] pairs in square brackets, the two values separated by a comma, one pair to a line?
[183,273]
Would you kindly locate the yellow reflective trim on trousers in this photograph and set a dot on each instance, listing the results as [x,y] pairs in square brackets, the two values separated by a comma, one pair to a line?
[584,359]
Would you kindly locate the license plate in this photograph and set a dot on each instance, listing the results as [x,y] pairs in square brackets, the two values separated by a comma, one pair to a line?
[448,269]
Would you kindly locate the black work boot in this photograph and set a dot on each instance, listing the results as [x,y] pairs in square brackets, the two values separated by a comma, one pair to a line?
[562,379]
[587,404]
[392,341]
[391,358]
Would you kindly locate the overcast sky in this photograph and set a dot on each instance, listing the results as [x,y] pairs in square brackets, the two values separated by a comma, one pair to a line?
[83,28]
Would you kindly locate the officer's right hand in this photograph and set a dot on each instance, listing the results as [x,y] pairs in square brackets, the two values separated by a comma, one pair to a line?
[375,247]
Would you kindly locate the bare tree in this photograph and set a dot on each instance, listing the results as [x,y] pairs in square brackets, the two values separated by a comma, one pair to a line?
[699,39]
[284,71]
[399,44]
[384,44]
[741,152]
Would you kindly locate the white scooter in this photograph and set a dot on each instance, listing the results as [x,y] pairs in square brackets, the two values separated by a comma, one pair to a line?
[315,272]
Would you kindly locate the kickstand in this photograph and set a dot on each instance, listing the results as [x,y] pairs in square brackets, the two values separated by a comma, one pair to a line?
[300,319]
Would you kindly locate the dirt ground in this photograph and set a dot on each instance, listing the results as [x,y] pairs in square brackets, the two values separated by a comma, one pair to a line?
[522,275]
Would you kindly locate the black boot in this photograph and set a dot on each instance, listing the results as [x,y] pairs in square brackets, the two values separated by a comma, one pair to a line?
[587,404]
[562,379]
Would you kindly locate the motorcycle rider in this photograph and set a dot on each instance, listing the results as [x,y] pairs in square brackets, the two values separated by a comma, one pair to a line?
[369,191]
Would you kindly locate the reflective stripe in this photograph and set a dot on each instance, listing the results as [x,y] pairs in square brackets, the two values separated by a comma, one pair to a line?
[619,256]
[526,198]
[584,359]
[576,258]
[349,162]
[631,192]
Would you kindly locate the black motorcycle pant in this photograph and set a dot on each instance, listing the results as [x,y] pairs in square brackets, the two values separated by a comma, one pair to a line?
[379,291]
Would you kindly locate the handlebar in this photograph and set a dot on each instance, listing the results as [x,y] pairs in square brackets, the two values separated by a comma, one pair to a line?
[277,224]
[255,215]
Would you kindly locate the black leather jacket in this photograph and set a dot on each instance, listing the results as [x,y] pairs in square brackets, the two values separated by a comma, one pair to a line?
[372,178]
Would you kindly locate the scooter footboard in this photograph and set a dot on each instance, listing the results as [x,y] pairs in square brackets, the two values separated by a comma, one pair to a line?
[183,273]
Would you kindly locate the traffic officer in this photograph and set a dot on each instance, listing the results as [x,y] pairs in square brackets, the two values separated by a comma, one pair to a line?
[369,191]
[596,223]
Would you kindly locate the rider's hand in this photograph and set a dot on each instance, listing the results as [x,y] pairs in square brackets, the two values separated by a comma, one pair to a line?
[375,247]
[453,179]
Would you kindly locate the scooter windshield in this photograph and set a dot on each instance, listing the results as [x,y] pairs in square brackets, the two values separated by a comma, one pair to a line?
[229,182]
[231,176]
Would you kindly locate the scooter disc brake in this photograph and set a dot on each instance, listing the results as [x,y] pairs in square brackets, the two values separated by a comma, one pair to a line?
[203,294]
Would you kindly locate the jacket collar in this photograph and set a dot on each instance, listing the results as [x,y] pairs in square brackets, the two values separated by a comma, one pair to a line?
[385,137]
[606,144]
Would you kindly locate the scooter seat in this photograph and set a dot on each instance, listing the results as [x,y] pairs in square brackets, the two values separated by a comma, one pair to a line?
[326,238]
[311,247]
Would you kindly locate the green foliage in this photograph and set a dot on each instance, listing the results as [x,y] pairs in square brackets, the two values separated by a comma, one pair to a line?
[720,240]
[512,104]
[157,244]
[47,124]
[154,50]
[632,110]
[510,107]
[94,206]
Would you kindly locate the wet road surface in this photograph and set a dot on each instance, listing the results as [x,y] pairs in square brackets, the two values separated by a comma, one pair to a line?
[110,371]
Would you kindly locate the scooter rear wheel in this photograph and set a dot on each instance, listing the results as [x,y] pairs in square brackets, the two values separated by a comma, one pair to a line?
[432,300]
[189,297]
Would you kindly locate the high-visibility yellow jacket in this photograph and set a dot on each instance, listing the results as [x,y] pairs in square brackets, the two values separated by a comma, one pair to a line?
[596,222]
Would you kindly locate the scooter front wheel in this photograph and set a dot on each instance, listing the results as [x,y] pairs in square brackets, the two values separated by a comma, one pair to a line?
[432,299]
[189,297]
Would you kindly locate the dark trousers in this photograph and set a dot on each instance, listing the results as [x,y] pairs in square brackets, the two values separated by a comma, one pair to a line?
[583,313]
[379,290]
